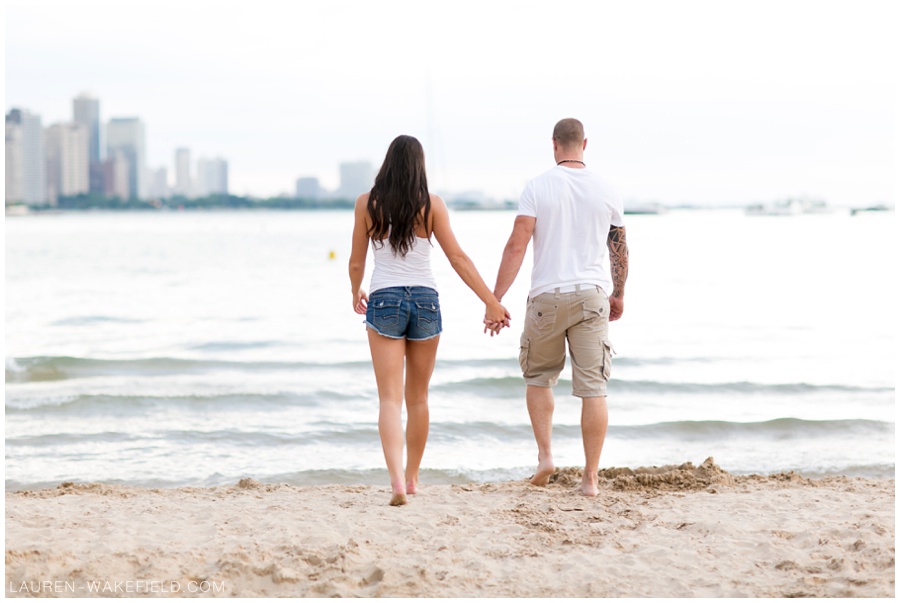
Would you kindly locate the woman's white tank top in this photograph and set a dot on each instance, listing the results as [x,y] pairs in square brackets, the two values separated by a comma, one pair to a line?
[394,270]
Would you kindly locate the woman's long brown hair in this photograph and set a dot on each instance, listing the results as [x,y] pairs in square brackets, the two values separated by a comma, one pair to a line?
[400,193]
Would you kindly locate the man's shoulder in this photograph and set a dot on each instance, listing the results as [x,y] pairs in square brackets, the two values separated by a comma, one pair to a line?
[585,176]
[552,173]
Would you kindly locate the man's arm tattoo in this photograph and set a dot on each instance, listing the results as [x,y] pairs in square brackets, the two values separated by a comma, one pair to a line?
[618,259]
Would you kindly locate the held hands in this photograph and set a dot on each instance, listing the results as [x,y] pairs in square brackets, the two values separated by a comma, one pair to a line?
[360,301]
[495,318]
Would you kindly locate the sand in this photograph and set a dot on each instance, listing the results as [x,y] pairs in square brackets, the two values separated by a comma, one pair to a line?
[681,531]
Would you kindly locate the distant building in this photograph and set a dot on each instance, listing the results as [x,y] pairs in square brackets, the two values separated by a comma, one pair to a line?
[86,111]
[68,170]
[98,177]
[356,177]
[127,136]
[159,184]
[26,162]
[184,186]
[212,177]
[117,175]
[15,171]
[309,188]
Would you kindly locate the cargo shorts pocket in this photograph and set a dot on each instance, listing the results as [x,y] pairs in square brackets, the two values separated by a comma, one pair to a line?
[541,316]
[524,348]
[595,307]
[606,366]
[386,313]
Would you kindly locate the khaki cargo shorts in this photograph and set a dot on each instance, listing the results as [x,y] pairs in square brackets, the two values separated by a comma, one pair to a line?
[580,317]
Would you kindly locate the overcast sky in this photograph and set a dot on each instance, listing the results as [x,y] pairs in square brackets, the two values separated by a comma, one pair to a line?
[704,102]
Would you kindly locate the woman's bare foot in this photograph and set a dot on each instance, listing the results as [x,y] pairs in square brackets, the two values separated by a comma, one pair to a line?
[544,470]
[412,487]
[398,493]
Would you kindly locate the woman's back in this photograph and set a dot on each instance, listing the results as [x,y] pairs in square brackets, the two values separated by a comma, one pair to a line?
[395,270]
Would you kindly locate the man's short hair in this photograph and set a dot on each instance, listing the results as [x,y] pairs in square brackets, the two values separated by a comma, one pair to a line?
[568,132]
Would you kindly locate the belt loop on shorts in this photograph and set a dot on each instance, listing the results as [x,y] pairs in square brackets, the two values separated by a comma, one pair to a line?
[556,291]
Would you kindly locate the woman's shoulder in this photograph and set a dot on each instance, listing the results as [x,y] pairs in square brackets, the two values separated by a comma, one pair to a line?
[362,202]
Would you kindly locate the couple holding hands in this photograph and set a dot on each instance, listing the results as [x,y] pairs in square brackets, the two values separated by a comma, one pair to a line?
[575,219]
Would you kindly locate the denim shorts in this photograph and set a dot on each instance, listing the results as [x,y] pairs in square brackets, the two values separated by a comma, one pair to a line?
[413,313]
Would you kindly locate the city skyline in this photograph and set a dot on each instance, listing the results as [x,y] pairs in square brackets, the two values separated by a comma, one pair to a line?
[699,102]
[87,155]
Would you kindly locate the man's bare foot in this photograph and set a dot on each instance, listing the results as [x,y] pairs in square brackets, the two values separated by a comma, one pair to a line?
[545,469]
[589,487]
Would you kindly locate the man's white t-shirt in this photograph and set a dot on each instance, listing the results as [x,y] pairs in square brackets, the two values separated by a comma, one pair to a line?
[574,209]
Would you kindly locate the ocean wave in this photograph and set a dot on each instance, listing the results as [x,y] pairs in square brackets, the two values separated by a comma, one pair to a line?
[59,368]
[78,321]
[54,368]
[68,439]
[339,434]
[738,387]
[776,429]
[379,477]
[313,477]
[228,346]
[103,404]
[507,386]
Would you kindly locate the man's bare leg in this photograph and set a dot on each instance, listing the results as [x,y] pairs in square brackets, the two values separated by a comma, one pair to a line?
[594,421]
[540,409]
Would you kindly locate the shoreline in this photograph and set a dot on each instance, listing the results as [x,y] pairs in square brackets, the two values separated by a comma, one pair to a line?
[675,531]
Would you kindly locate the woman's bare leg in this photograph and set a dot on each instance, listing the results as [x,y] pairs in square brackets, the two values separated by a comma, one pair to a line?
[420,357]
[387,359]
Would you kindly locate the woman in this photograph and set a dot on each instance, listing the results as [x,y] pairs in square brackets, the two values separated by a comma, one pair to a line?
[403,313]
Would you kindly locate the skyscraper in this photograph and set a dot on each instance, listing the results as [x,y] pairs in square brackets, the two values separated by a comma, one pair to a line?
[126,135]
[183,182]
[25,142]
[86,111]
[356,177]
[159,183]
[116,175]
[68,171]
[15,171]
[212,177]
[308,188]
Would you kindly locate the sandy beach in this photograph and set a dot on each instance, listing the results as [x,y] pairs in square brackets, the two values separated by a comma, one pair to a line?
[685,531]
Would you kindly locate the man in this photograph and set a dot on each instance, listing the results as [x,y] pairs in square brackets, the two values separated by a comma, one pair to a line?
[574,217]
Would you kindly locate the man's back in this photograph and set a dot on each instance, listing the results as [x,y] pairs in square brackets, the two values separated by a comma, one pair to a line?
[573,210]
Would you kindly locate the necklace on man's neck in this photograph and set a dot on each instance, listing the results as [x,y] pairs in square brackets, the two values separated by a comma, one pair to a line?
[572,161]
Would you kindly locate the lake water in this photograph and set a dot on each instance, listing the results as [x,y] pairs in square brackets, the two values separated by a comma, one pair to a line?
[179,348]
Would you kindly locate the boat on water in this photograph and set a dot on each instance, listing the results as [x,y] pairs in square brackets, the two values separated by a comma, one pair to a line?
[644,208]
[790,207]
[17,210]
[873,208]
